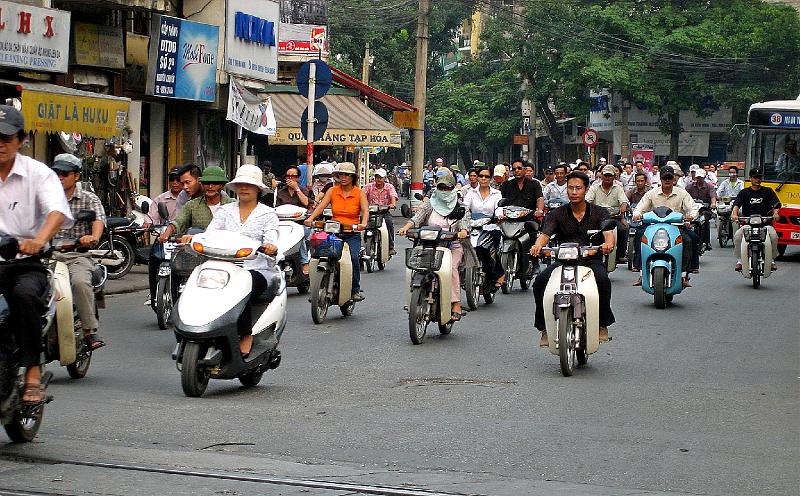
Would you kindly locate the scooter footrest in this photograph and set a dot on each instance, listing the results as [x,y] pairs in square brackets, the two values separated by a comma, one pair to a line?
[213,357]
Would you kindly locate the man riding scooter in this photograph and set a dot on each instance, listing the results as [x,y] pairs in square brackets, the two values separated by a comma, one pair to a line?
[677,200]
[755,200]
[382,193]
[703,192]
[610,194]
[81,266]
[571,223]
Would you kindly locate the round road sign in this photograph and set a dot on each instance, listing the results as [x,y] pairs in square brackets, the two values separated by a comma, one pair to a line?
[590,137]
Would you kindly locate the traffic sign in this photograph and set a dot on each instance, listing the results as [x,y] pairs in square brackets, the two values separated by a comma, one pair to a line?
[320,121]
[590,137]
[323,78]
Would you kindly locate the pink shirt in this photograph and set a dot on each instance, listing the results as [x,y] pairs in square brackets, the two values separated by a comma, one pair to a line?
[382,196]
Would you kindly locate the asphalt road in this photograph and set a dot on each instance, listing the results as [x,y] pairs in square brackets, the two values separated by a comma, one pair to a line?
[700,398]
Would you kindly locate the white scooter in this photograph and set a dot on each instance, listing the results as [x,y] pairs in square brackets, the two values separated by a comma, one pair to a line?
[375,240]
[573,326]
[756,254]
[331,270]
[291,237]
[207,313]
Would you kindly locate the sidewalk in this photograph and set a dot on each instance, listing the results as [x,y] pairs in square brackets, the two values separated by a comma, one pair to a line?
[135,280]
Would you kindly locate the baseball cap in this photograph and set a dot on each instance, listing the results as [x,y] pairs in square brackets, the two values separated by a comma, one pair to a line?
[446,179]
[667,172]
[380,172]
[756,173]
[549,170]
[67,162]
[174,172]
[439,161]
[602,159]
[11,121]
[700,173]
[694,167]
[323,168]
[500,170]
[609,170]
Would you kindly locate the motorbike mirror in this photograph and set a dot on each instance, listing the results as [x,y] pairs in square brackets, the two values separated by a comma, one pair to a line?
[608,225]
[9,247]
[503,202]
[195,230]
[162,211]
[144,207]
[418,196]
[86,216]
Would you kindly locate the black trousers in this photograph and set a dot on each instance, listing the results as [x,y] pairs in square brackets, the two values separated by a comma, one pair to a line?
[603,289]
[244,324]
[490,258]
[24,284]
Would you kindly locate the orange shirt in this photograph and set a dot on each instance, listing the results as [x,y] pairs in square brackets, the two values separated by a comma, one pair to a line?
[346,210]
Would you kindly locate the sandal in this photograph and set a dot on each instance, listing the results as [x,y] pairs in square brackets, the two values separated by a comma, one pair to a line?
[455,316]
[93,342]
[32,391]
[247,353]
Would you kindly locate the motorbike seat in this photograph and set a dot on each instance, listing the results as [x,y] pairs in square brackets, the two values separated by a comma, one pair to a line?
[114,222]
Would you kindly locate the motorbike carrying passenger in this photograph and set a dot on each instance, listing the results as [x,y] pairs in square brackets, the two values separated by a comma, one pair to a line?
[483,200]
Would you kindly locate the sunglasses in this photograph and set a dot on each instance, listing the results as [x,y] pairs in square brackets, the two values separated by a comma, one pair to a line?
[484,176]
[519,168]
[292,175]
[443,187]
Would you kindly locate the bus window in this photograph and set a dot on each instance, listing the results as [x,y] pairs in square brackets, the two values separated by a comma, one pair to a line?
[776,153]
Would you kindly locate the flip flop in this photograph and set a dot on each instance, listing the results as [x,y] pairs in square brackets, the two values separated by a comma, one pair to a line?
[30,390]
[93,342]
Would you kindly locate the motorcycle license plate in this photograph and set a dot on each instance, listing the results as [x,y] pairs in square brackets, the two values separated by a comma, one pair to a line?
[795,235]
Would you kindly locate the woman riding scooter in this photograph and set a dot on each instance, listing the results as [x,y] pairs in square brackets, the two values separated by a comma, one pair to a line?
[257,221]
[483,200]
[350,207]
[291,193]
[443,210]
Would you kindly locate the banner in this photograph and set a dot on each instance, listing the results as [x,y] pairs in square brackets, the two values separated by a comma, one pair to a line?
[251,39]
[250,112]
[303,39]
[99,46]
[183,59]
[74,112]
[34,38]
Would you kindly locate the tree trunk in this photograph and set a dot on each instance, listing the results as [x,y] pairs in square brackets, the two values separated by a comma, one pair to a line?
[674,133]
[466,155]
[551,126]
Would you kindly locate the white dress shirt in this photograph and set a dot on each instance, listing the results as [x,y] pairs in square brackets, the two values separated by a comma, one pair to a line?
[261,225]
[486,206]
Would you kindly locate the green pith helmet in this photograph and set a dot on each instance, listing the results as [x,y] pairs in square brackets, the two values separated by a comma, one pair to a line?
[214,174]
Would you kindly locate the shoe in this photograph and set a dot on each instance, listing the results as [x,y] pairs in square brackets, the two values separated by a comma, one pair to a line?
[708,248]
[392,252]
[773,267]
[604,337]
[543,342]
[358,296]
[738,267]
[638,281]
[148,302]
[685,282]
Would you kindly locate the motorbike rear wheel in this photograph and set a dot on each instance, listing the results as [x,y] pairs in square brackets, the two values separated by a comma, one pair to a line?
[659,287]
[472,287]
[567,355]
[25,424]
[319,298]
[80,367]
[163,303]
[194,378]
[128,256]
[509,263]
[418,315]
[251,379]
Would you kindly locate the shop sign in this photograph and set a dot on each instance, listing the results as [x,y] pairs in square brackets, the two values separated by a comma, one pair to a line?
[99,46]
[136,60]
[33,37]
[303,39]
[183,59]
[251,39]
[95,117]
[339,137]
[249,111]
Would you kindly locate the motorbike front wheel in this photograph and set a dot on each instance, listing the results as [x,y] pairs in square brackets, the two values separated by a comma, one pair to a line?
[83,359]
[659,287]
[509,263]
[163,303]
[319,298]
[472,287]
[25,424]
[418,315]
[630,251]
[128,256]
[567,355]
[722,233]
[194,378]
[755,269]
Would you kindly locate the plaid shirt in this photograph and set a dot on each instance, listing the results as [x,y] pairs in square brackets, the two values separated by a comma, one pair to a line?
[83,200]
[196,214]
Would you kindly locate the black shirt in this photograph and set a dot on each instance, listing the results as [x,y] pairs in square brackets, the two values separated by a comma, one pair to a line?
[526,197]
[566,227]
[760,202]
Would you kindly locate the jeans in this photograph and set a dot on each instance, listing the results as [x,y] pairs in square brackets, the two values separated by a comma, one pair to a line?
[24,284]
[81,268]
[603,289]
[305,257]
[354,242]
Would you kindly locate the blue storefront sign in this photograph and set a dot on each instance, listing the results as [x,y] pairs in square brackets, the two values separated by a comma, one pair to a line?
[183,59]
[784,119]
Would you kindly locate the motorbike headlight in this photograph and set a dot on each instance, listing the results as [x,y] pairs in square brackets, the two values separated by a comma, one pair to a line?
[428,234]
[754,221]
[212,279]
[660,240]
[373,209]
[569,253]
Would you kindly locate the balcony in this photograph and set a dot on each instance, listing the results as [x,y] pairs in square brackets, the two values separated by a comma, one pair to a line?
[158,6]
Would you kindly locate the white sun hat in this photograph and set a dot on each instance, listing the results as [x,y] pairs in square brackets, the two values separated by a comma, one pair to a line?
[249,174]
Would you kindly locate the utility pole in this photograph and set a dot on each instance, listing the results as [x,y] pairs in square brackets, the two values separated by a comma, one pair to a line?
[420,96]
[365,66]
[625,134]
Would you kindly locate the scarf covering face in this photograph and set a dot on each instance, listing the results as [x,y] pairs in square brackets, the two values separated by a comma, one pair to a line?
[444,201]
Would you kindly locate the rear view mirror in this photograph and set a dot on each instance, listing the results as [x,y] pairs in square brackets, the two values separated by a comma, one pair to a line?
[86,216]
[144,207]
[608,225]
[162,211]
[503,202]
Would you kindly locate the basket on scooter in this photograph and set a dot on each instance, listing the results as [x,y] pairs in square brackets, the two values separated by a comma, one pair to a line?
[421,258]
[375,221]
[324,245]
[184,261]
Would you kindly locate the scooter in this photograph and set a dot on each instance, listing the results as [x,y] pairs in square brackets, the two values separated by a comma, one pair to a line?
[125,242]
[291,237]
[331,270]
[518,236]
[429,280]
[630,246]
[166,295]
[610,260]
[573,327]
[662,255]
[702,222]
[474,281]
[207,313]
[724,225]
[756,255]
[375,240]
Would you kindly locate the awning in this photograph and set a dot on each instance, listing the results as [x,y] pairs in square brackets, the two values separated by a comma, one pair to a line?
[48,107]
[372,93]
[350,122]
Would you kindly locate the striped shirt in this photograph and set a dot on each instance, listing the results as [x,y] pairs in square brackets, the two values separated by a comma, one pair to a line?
[82,200]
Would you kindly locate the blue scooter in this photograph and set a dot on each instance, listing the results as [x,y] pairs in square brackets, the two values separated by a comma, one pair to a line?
[662,255]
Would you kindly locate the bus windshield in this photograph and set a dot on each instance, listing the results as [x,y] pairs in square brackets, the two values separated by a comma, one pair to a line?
[776,153]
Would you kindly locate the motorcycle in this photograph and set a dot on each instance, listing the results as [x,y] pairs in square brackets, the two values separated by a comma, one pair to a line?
[724,224]
[209,308]
[125,243]
[573,327]
[662,255]
[166,293]
[701,222]
[549,206]
[375,241]
[429,281]
[292,236]
[756,255]
[331,270]
[630,246]
[610,260]
[518,237]
[474,280]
